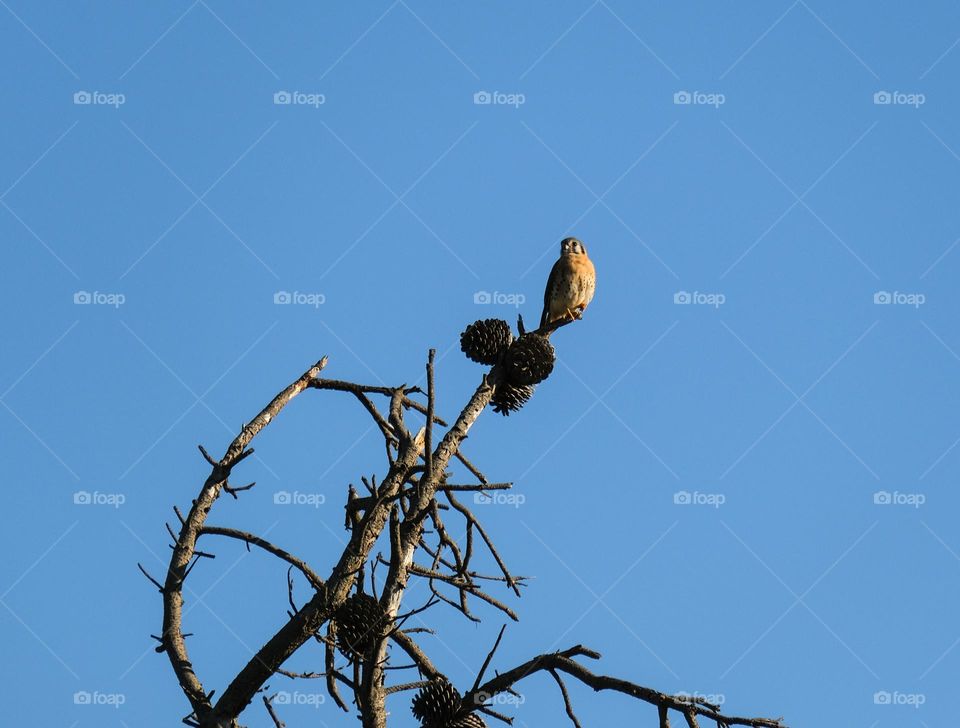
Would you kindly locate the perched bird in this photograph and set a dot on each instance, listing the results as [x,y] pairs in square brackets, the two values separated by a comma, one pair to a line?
[571,284]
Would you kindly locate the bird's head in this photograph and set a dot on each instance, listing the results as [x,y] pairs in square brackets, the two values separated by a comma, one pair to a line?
[572,246]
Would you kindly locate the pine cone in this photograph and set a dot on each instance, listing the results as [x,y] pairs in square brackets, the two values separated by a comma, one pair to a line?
[437,704]
[485,340]
[530,359]
[510,397]
[470,720]
[358,620]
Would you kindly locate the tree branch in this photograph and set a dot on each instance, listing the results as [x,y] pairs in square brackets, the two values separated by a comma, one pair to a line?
[249,538]
[321,606]
[401,503]
[564,662]
[185,546]
[566,698]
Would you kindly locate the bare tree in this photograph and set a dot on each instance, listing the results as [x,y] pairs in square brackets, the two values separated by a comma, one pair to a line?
[409,508]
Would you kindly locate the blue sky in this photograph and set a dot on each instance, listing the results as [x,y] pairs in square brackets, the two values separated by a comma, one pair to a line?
[740,480]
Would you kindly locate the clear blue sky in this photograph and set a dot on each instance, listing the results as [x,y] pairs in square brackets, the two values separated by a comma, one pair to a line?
[782,399]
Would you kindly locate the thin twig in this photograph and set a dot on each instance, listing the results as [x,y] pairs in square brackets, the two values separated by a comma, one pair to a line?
[155,582]
[249,538]
[566,698]
[486,662]
[431,406]
[273,715]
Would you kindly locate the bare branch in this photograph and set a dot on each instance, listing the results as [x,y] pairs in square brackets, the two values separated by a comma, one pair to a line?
[471,467]
[566,698]
[487,540]
[273,714]
[155,582]
[339,386]
[480,487]
[331,672]
[407,686]
[563,662]
[664,712]
[486,662]
[431,405]
[249,538]
[183,551]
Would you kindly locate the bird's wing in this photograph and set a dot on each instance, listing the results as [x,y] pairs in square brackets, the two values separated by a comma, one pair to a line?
[554,273]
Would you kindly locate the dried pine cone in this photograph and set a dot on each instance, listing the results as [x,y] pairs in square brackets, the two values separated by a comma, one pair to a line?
[358,621]
[436,704]
[530,359]
[485,340]
[510,397]
[470,720]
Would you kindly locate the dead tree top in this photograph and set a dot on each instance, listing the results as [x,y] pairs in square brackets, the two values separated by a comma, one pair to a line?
[353,618]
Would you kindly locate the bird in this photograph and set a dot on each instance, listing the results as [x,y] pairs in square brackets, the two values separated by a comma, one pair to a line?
[571,284]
